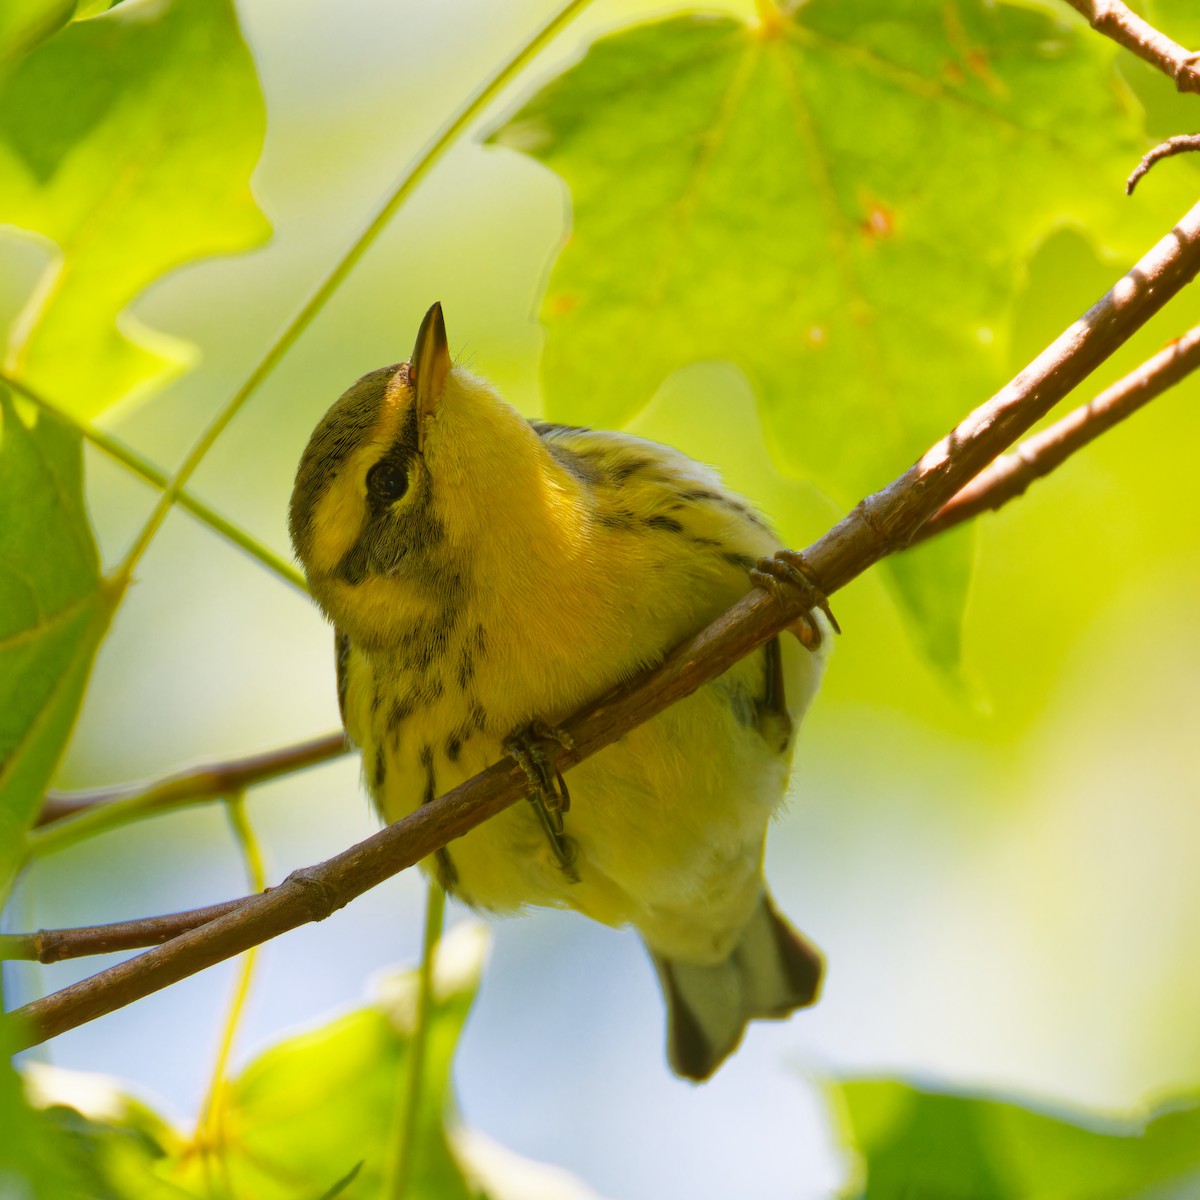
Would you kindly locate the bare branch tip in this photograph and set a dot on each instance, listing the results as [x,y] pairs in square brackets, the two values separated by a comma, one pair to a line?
[1182,143]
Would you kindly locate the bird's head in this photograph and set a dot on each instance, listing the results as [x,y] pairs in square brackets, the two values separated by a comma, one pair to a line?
[405,480]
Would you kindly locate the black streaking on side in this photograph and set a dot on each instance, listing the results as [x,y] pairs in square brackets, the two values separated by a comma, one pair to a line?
[774,721]
[379,775]
[667,524]
[444,868]
[400,711]
[688,1050]
[742,561]
[466,667]
[341,660]
[573,463]
[743,510]
[622,471]
[548,430]
[622,519]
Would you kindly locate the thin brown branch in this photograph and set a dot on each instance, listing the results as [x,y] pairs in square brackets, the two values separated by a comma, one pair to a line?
[54,945]
[1011,474]
[1114,20]
[205,782]
[1181,144]
[882,523]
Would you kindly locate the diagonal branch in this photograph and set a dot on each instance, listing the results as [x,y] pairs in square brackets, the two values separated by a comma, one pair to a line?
[1114,20]
[1011,474]
[1008,477]
[882,523]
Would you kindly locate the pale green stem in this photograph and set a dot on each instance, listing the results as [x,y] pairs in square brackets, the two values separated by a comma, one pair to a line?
[408,1107]
[145,469]
[408,181]
[191,787]
[210,1129]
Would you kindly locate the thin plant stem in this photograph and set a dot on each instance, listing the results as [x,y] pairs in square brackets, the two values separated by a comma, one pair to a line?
[284,342]
[408,1103]
[144,469]
[210,1129]
[104,811]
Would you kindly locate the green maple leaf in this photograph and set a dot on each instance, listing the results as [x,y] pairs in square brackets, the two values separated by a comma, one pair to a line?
[128,141]
[840,201]
[54,610]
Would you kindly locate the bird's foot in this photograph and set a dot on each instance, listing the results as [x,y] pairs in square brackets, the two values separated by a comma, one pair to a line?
[789,569]
[548,789]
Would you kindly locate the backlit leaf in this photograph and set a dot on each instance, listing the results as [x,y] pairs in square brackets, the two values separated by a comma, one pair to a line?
[941,1146]
[127,141]
[54,609]
[793,197]
[316,1115]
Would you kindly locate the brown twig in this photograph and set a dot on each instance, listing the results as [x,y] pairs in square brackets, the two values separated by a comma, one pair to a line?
[1114,20]
[1011,474]
[54,945]
[882,523]
[1180,144]
[205,782]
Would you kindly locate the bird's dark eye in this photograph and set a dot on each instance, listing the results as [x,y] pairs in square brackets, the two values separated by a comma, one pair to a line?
[386,481]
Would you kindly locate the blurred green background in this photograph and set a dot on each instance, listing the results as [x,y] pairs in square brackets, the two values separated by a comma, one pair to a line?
[1005,878]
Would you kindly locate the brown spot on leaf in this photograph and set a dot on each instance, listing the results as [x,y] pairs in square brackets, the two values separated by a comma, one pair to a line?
[880,222]
[980,66]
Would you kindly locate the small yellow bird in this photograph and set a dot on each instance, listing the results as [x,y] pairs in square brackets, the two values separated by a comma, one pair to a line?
[486,577]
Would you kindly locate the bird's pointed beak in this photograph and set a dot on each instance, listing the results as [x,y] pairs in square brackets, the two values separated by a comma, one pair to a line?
[428,368]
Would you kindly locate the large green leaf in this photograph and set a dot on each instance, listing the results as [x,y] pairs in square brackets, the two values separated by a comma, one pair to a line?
[54,609]
[840,202]
[33,1163]
[128,141]
[940,1146]
[25,23]
[316,1115]
[313,1107]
